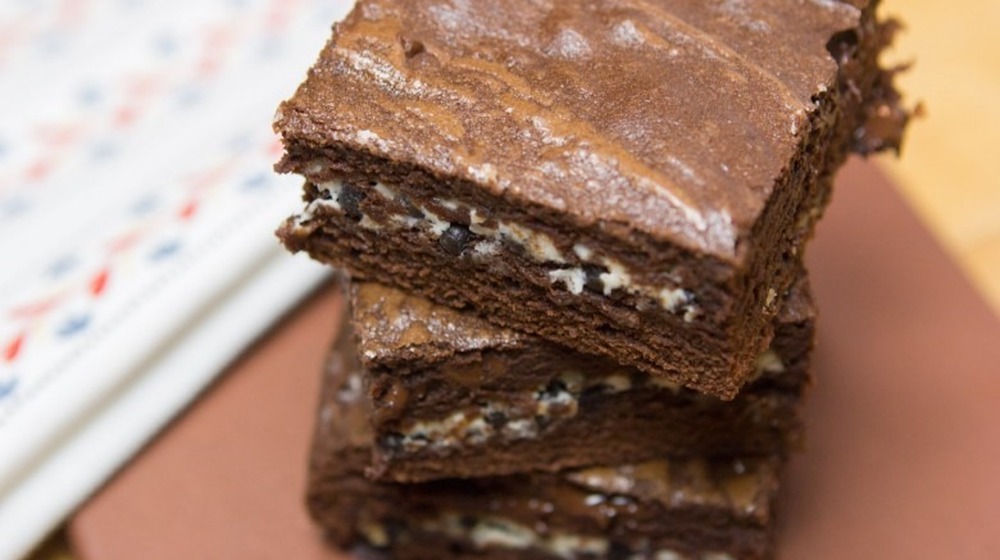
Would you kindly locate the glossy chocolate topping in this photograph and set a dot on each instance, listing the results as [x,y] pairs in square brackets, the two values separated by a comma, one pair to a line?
[668,117]
[393,325]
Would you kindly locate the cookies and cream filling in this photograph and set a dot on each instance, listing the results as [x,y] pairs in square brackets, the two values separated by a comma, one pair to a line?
[483,238]
[485,532]
[556,401]
[559,400]
[488,532]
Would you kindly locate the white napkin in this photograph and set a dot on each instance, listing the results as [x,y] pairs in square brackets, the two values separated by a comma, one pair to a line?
[137,205]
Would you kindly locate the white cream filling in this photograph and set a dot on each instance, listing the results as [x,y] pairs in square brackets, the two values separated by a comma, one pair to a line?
[436,226]
[617,383]
[538,245]
[523,428]
[408,222]
[562,404]
[499,532]
[671,299]
[369,223]
[616,277]
[386,191]
[664,383]
[352,390]
[769,362]
[473,428]
[584,252]
[486,248]
[456,428]
[573,380]
[505,533]
[771,296]
[572,278]
[332,189]
[374,533]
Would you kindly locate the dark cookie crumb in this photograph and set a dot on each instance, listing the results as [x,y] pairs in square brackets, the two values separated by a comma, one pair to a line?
[497,419]
[454,239]
[350,198]
[552,390]
[592,274]
[392,442]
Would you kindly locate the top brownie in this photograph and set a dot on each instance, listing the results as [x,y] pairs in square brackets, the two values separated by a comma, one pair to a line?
[631,178]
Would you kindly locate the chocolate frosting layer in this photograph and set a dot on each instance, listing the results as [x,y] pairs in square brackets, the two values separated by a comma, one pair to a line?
[667,117]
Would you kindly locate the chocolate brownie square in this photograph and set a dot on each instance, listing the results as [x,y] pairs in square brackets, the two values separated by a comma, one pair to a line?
[451,395]
[630,178]
[661,509]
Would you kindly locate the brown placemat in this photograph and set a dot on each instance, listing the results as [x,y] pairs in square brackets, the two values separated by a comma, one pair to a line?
[903,437]
[227,479]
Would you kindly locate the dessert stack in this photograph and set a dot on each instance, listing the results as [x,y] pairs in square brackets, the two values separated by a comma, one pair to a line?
[579,323]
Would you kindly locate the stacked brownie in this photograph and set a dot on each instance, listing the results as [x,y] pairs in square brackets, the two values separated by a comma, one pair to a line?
[443,436]
[579,326]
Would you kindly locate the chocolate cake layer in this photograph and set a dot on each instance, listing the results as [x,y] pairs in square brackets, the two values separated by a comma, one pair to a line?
[628,177]
[454,396]
[665,509]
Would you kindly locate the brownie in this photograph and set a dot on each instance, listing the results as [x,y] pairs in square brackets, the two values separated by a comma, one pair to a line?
[454,396]
[663,509]
[631,178]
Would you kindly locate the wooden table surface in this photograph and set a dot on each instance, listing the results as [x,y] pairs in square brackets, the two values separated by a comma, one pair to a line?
[947,169]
